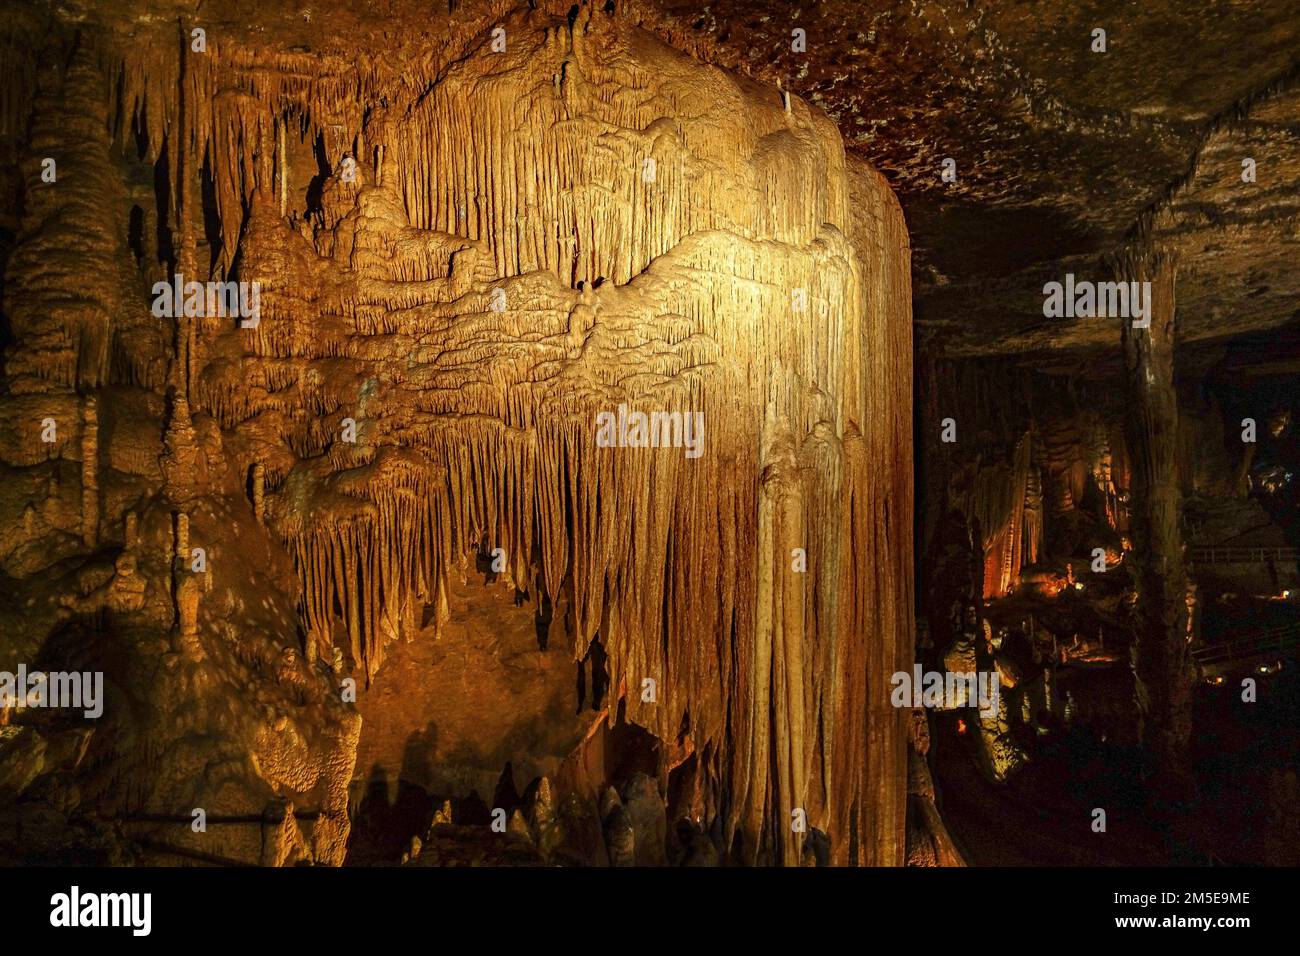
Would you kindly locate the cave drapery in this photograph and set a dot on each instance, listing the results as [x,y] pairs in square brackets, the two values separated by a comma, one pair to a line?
[496,246]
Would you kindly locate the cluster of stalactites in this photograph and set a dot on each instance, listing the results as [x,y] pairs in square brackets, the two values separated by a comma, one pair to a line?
[226,112]
[742,285]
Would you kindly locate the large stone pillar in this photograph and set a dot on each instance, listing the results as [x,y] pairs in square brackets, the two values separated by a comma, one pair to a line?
[1160,659]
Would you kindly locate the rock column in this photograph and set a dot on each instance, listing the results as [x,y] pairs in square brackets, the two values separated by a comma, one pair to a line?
[1160,659]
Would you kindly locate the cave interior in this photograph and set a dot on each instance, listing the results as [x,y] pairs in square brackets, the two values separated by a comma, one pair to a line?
[493,433]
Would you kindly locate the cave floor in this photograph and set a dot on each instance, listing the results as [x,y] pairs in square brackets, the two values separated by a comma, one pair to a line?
[1042,816]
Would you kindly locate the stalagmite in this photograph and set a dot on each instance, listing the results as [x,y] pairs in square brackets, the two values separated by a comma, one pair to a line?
[187,613]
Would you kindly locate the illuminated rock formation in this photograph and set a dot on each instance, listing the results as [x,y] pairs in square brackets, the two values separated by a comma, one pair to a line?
[461,253]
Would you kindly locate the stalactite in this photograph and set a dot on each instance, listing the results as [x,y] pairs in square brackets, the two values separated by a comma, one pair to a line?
[259,491]
[1033,509]
[89,474]
[996,498]
[66,275]
[180,452]
[1013,555]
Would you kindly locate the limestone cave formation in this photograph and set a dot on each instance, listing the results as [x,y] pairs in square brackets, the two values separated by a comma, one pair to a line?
[520,433]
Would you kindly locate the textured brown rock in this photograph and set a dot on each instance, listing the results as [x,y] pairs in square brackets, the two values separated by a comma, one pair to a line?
[487,250]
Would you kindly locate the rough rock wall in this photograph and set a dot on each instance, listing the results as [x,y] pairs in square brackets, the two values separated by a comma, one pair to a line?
[497,247]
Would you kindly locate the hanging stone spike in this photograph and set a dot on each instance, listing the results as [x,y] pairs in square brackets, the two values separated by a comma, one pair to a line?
[180,452]
[259,492]
[281,135]
[89,475]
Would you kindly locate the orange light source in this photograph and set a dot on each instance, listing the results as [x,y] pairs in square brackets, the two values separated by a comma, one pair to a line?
[961,726]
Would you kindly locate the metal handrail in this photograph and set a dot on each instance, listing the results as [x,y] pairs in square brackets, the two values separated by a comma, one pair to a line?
[1238,555]
[1277,638]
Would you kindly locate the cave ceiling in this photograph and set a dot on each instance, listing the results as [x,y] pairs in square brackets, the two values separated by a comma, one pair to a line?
[1063,154]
